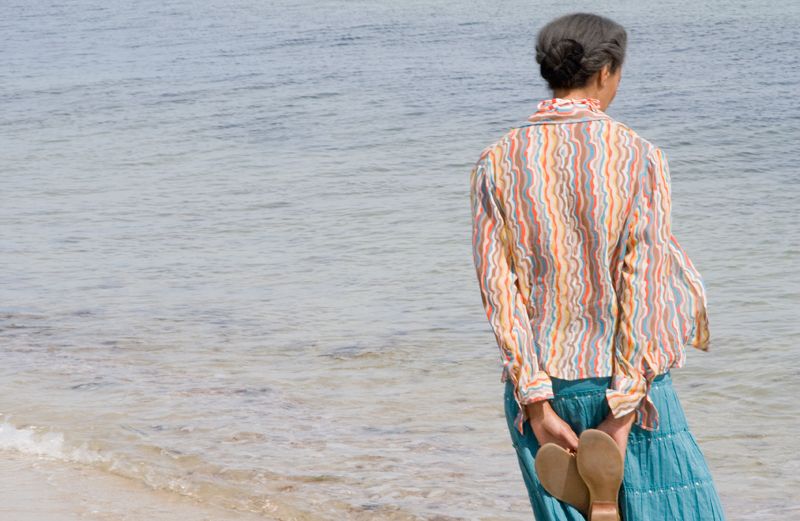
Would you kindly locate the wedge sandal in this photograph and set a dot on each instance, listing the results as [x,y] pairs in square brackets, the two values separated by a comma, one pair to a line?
[558,473]
[601,465]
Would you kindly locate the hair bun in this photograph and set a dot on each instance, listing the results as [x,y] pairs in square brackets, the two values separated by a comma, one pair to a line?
[567,57]
[573,52]
[563,60]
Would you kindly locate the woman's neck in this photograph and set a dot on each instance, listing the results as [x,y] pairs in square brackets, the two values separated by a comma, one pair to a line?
[574,94]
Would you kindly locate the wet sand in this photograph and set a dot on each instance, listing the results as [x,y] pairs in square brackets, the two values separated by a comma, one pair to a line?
[34,489]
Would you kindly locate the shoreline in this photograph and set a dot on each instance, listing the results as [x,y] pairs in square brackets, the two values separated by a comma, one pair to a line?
[39,489]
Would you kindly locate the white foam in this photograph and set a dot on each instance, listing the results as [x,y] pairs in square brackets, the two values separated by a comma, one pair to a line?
[44,444]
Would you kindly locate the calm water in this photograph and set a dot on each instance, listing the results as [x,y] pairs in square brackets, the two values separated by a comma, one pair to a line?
[236,257]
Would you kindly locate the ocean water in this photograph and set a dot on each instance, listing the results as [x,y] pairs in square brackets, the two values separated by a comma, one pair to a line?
[236,258]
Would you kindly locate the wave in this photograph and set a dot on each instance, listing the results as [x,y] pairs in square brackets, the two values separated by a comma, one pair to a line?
[204,482]
[36,442]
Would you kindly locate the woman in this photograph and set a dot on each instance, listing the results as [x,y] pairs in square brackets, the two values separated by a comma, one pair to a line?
[588,293]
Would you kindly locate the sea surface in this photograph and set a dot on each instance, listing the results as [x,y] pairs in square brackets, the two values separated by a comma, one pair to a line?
[235,243]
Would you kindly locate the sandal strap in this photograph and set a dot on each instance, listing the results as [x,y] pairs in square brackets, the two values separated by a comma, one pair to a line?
[604,508]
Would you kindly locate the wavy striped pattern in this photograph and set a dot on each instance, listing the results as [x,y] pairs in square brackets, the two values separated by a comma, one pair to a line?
[579,272]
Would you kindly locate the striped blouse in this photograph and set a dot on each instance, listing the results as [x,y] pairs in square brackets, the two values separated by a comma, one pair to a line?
[579,273]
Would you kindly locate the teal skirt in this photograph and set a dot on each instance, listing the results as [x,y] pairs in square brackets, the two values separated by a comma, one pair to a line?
[666,475]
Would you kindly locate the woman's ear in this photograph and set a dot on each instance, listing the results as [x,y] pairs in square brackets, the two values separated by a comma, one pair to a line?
[603,74]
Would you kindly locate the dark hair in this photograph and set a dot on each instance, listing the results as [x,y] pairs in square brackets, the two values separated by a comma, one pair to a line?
[573,47]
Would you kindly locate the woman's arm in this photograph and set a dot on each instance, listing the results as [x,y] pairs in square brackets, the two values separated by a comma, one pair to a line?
[644,281]
[502,301]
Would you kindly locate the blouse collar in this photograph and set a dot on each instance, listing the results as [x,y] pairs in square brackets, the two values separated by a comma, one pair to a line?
[568,108]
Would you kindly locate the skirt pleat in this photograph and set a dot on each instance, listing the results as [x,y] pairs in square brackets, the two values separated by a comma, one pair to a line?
[666,474]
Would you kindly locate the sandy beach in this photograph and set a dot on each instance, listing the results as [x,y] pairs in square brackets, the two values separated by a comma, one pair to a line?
[36,489]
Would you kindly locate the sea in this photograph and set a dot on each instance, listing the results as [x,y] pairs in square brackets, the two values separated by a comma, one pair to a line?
[235,243]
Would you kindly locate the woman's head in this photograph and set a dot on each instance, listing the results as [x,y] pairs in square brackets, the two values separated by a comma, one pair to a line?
[580,52]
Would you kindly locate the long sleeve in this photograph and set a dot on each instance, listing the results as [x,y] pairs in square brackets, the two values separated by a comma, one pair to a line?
[504,305]
[643,279]
[693,303]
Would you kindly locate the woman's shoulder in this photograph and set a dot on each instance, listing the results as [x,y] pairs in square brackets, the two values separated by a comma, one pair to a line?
[497,146]
[632,135]
[655,159]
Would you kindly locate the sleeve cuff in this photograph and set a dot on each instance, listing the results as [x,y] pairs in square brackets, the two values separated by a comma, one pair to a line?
[699,336]
[529,389]
[633,394]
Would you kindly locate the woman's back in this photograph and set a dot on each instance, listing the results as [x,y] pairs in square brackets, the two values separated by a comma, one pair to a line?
[575,255]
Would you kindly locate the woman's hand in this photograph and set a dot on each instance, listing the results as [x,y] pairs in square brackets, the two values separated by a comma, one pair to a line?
[548,427]
[619,429]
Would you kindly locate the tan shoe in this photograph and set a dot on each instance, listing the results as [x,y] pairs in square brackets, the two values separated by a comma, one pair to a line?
[601,465]
[558,472]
